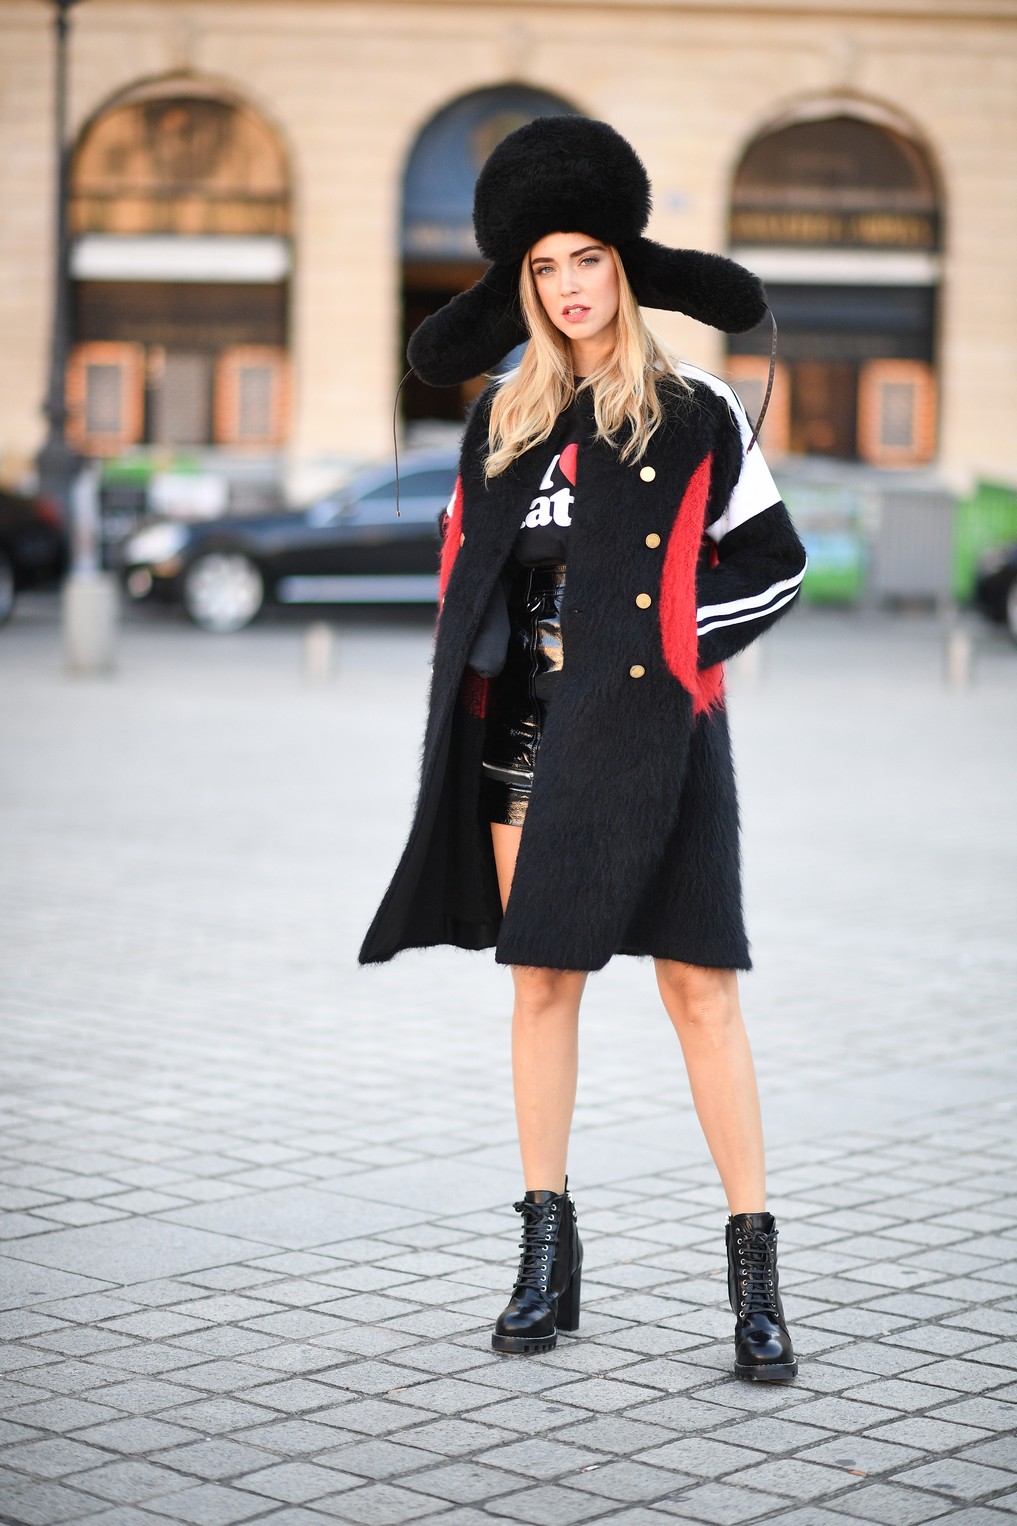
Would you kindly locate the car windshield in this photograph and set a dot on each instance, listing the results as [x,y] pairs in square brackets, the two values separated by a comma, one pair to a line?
[423,493]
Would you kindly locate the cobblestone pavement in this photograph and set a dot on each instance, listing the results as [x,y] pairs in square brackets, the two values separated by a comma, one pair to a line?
[257,1201]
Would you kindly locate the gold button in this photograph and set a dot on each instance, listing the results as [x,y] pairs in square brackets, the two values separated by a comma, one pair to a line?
[637,670]
[647,473]
[643,600]
[462,539]
[653,541]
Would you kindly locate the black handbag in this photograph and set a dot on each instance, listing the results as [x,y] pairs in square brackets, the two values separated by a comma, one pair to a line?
[489,651]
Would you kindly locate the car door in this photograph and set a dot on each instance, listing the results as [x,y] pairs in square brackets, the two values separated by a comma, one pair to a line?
[356,549]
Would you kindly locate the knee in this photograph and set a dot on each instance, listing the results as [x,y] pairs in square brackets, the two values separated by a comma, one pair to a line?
[698,998]
[541,993]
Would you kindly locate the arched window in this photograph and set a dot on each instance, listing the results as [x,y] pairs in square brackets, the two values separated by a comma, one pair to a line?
[839,213]
[440,257]
[179,217]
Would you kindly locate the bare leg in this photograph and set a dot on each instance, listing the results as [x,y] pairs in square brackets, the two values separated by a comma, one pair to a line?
[545,1047]
[703,1006]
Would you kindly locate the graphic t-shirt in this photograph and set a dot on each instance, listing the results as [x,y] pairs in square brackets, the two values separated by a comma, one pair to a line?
[543,534]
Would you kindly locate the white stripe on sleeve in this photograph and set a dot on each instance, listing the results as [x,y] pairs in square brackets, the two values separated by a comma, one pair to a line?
[755,491]
[755,614]
[754,603]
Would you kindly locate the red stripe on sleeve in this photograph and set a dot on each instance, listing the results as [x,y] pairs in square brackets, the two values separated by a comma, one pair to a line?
[450,545]
[678,596]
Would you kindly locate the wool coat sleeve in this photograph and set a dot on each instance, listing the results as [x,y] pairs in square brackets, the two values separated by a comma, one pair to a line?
[753,561]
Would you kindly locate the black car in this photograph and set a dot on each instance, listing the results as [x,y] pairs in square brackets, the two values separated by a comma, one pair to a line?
[996,586]
[348,547]
[33,546]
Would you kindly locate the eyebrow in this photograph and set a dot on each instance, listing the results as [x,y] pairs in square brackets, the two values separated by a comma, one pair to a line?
[547,259]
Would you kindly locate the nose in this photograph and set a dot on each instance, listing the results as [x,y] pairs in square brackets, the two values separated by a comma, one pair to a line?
[569,281]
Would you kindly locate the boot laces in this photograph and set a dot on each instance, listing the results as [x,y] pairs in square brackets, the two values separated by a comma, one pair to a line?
[756,1265]
[537,1244]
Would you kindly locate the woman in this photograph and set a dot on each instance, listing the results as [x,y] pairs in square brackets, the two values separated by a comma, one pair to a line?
[610,542]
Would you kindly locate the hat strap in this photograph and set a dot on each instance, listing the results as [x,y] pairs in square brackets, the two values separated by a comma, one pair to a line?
[395,434]
[769,381]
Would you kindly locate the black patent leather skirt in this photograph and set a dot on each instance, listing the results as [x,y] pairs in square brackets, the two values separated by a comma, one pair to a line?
[522,692]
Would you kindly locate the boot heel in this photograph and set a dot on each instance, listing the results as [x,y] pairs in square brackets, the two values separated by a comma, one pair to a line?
[567,1316]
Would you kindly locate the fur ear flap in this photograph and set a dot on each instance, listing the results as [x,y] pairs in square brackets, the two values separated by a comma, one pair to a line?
[472,333]
[708,287]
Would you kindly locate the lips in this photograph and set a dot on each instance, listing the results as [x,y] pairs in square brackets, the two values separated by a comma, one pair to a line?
[574,313]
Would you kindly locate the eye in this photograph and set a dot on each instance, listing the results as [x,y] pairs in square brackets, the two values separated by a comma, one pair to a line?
[542,270]
[590,259]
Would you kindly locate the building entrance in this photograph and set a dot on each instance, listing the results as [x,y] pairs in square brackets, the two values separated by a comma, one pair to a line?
[180,257]
[440,257]
[840,216]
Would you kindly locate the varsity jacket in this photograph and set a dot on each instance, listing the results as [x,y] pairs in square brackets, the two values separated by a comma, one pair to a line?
[676,561]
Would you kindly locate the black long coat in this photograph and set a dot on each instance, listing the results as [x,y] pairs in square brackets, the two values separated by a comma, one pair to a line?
[631,837]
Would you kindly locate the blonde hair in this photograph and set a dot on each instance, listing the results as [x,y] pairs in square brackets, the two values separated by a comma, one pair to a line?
[624,385]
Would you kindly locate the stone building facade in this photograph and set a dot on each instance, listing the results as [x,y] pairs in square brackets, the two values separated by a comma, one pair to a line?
[267,196]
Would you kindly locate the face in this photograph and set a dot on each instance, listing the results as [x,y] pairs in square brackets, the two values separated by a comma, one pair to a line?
[577,282]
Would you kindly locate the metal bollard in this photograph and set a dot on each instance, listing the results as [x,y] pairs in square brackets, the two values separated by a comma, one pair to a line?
[960,651]
[89,615]
[317,651]
[91,597]
[748,666]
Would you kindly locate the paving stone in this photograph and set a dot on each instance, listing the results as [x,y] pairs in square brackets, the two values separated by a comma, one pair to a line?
[241,1336]
[372,1377]
[373,1417]
[453,1438]
[40,1504]
[131,1435]
[464,1483]
[842,1414]
[604,1395]
[218,1415]
[891,1505]
[627,1480]
[10,1432]
[377,1458]
[721,1504]
[683,1414]
[63,1415]
[378,1505]
[956,1478]
[126,1515]
[969,1377]
[209,1505]
[294,1397]
[791,1476]
[809,1515]
[216,1458]
[78,1341]
[549,1503]
[927,1432]
[54,1457]
[128,1482]
[1001,1452]
[771,1435]
[992,1413]
[298,1482]
[861,1454]
[540,1458]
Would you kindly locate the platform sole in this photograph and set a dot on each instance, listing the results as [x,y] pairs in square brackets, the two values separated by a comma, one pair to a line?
[772,1372]
[523,1345]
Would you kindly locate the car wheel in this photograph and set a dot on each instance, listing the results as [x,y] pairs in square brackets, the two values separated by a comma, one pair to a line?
[223,591]
[6,588]
[1011,609]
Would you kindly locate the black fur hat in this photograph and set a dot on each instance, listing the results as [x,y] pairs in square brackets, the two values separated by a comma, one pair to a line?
[562,175]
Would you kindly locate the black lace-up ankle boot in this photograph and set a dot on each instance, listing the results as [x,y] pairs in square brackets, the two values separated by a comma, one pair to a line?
[763,1351]
[545,1298]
